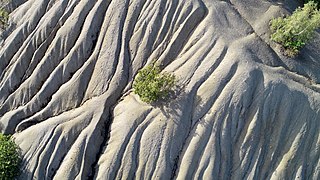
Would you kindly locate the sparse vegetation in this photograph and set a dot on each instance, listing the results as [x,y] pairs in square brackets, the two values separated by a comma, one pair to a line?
[294,31]
[4,17]
[9,158]
[151,85]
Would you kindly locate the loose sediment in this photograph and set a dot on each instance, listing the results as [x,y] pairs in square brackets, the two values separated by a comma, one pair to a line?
[242,110]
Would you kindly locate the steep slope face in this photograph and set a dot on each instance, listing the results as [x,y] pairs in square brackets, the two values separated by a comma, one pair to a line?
[241,109]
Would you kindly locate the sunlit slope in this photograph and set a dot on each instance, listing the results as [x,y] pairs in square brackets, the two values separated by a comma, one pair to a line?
[241,110]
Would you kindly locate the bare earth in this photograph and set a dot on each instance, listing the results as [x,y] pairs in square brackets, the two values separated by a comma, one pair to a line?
[241,110]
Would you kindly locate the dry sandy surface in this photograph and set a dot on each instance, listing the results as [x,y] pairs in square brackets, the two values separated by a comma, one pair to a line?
[241,110]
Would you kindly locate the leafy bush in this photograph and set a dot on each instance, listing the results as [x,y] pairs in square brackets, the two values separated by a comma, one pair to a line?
[294,31]
[152,85]
[9,158]
[4,17]
[316,1]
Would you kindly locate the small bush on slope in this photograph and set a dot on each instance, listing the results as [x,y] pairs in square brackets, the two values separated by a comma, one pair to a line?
[316,1]
[151,85]
[294,31]
[9,158]
[4,17]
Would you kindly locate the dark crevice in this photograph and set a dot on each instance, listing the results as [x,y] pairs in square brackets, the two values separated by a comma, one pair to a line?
[106,136]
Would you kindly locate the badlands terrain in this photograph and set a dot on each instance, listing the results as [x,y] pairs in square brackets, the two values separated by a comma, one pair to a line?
[241,110]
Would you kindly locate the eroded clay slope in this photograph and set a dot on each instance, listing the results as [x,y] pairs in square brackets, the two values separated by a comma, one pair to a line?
[240,110]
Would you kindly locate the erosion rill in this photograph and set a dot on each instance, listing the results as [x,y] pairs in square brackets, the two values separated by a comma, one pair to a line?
[241,110]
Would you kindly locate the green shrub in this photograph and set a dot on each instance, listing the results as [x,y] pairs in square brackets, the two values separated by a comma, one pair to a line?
[316,1]
[4,17]
[9,158]
[152,85]
[294,31]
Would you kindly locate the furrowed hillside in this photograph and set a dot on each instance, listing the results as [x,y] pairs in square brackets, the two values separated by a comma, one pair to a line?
[240,109]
